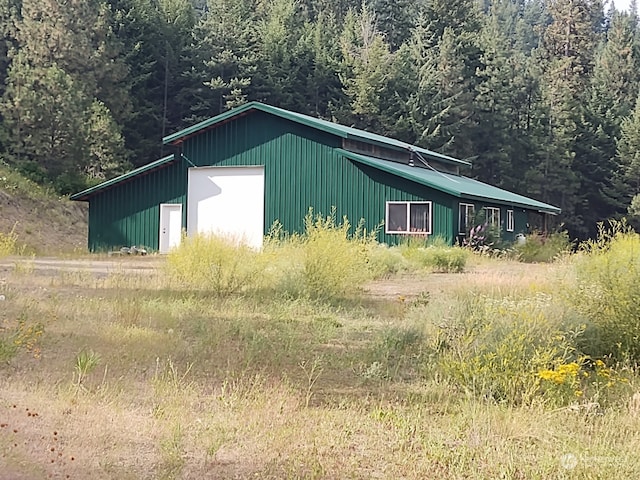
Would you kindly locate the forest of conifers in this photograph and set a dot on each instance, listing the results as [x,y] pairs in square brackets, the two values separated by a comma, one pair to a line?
[541,96]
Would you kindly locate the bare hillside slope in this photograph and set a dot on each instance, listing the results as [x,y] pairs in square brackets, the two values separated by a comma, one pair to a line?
[45,223]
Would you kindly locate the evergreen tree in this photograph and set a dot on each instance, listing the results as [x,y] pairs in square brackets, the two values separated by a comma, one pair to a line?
[365,71]
[448,57]
[225,39]
[62,62]
[628,158]
[569,45]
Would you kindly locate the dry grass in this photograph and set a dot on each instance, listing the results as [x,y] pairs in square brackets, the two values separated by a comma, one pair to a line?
[191,385]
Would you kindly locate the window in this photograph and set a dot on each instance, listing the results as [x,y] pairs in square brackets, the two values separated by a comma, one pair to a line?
[492,216]
[408,217]
[465,221]
[510,221]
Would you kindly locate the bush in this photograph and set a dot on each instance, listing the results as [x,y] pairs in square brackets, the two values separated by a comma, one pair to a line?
[497,346]
[543,248]
[607,293]
[436,255]
[336,262]
[215,264]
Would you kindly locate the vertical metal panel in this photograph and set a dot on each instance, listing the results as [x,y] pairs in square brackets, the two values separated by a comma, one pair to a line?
[129,213]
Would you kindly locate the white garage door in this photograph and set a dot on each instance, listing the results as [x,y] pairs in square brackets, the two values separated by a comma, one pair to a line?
[227,201]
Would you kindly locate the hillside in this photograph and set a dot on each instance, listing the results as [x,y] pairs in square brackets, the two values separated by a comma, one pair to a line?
[45,223]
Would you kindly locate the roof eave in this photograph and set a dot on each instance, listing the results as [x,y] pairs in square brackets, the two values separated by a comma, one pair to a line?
[85,195]
[538,208]
[407,176]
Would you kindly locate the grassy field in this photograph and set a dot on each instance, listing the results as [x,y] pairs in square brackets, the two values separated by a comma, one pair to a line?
[121,372]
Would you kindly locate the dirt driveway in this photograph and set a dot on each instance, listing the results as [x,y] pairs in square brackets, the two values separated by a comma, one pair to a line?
[99,266]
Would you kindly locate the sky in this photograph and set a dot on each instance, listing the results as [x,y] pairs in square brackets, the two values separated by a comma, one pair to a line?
[622,4]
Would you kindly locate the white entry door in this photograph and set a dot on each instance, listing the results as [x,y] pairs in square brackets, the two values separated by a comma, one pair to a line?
[170,226]
[227,201]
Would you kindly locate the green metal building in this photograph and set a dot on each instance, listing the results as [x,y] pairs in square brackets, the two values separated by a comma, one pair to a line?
[237,173]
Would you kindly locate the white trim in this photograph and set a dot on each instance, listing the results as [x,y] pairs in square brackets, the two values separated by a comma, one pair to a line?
[408,230]
[510,221]
[469,219]
[486,216]
[170,226]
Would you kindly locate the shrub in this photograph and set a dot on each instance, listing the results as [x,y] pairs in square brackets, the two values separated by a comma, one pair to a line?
[543,248]
[497,346]
[436,255]
[385,260]
[607,293]
[336,262]
[215,264]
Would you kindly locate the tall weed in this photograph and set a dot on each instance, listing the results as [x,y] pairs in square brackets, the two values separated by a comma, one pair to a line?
[336,261]
[215,264]
[8,243]
[498,345]
[543,248]
[607,293]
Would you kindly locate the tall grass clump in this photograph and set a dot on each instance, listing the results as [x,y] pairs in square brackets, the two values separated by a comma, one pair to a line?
[435,255]
[606,293]
[336,261]
[540,248]
[8,243]
[495,347]
[215,264]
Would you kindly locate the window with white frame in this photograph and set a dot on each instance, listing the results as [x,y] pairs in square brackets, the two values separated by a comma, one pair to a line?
[465,219]
[492,216]
[510,221]
[408,217]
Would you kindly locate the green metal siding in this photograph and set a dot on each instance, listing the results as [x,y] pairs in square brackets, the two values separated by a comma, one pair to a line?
[129,213]
[303,170]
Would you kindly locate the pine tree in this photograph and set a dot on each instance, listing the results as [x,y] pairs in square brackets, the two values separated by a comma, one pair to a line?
[448,57]
[569,44]
[62,62]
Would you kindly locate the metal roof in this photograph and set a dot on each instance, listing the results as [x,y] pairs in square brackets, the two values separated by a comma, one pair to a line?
[324,125]
[85,194]
[455,185]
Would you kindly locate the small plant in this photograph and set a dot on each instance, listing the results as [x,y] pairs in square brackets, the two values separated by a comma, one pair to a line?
[312,372]
[20,335]
[86,362]
[9,242]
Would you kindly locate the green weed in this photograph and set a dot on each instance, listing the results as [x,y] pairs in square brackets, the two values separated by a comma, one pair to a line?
[542,248]
[435,255]
[86,362]
[606,293]
[497,346]
[215,264]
